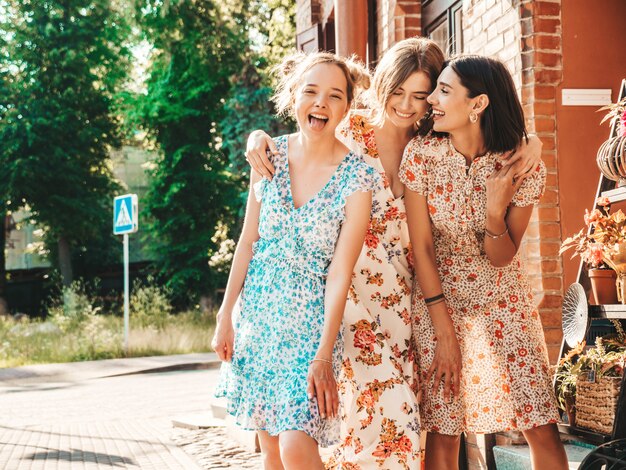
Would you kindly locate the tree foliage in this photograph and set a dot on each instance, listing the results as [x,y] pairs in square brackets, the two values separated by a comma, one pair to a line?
[62,66]
[61,63]
[271,36]
[197,47]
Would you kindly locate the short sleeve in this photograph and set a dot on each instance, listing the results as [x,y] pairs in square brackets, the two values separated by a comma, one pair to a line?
[344,131]
[532,188]
[368,179]
[361,177]
[259,188]
[413,169]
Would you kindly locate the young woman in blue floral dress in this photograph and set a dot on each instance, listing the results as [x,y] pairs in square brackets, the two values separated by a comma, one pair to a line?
[293,265]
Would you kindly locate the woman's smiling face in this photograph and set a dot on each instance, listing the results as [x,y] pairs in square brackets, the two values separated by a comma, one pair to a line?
[450,102]
[407,104]
[321,100]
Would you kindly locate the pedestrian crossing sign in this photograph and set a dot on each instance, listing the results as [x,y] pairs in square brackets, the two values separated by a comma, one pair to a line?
[125,214]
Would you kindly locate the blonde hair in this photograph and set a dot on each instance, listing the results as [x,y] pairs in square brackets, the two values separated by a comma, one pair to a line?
[411,55]
[290,72]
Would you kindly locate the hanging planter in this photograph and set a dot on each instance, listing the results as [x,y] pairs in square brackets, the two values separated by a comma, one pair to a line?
[611,157]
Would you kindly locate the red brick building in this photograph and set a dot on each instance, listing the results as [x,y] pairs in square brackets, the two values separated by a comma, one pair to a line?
[549,46]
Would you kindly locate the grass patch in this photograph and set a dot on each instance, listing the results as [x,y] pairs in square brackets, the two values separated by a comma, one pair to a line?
[77,330]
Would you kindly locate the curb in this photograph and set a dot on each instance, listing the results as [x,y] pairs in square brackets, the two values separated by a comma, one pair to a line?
[88,370]
[209,365]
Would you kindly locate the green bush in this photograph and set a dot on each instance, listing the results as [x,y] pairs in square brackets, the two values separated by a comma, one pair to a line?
[150,305]
[74,308]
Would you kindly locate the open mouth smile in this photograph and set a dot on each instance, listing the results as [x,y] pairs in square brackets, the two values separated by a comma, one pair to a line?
[317,121]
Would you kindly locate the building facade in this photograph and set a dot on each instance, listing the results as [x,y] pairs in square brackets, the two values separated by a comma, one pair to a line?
[549,46]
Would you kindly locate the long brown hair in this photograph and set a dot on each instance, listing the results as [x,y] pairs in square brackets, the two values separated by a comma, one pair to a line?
[408,56]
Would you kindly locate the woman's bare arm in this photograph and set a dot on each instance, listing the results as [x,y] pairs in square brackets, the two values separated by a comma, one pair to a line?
[526,157]
[223,339]
[256,153]
[321,378]
[506,224]
[447,361]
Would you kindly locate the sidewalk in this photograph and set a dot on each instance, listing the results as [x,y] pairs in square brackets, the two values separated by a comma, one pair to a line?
[102,414]
[80,371]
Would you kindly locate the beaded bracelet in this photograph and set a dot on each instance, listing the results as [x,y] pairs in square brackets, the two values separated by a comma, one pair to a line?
[435,302]
[494,236]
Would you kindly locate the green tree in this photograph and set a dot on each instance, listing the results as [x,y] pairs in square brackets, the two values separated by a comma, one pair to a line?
[271,37]
[197,46]
[62,63]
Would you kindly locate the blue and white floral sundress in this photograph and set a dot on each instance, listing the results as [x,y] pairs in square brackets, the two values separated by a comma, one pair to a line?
[281,317]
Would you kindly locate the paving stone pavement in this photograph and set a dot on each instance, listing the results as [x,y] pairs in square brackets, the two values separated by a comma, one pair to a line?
[66,421]
[213,450]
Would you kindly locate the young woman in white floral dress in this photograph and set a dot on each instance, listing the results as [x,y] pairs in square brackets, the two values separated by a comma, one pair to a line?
[379,383]
[473,283]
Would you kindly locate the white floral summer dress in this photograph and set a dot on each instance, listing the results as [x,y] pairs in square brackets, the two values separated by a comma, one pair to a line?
[282,304]
[378,383]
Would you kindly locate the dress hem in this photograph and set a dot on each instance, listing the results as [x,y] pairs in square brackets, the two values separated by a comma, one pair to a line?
[276,432]
[493,431]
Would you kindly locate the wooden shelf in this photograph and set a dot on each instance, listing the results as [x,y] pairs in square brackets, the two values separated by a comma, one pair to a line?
[585,435]
[615,195]
[610,311]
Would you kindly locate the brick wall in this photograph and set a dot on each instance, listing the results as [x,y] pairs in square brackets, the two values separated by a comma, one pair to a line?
[386,24]
[397,20]
[492,28]
[308,13]
[542,72]
[407,19]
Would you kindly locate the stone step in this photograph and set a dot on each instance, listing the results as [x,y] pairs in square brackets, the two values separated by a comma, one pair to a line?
[517,457]
[198,421]
[218,417]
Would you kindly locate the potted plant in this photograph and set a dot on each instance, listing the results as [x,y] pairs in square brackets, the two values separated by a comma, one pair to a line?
[592,373]
[566,376]
[601,244]
[612,153]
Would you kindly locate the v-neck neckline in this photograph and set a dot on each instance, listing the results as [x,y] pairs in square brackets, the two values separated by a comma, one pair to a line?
[318,193]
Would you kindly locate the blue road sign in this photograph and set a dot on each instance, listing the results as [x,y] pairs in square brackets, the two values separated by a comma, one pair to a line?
[125,214]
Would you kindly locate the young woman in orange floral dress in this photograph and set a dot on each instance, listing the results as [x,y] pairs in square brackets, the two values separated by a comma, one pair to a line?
[467,215]
[379,384]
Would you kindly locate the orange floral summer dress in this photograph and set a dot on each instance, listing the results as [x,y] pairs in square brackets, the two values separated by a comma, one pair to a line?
[505,382]
[380,422]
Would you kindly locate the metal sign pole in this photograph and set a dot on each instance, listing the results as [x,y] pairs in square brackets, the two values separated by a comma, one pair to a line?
[126,295]
[125,221]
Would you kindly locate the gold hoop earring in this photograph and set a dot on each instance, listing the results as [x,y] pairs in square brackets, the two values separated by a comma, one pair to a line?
[473,117]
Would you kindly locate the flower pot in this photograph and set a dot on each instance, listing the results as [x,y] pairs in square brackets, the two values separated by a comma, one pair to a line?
[603,285]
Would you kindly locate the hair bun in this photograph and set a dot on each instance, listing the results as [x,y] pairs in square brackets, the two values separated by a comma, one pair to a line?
[289,64]
[358,73]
